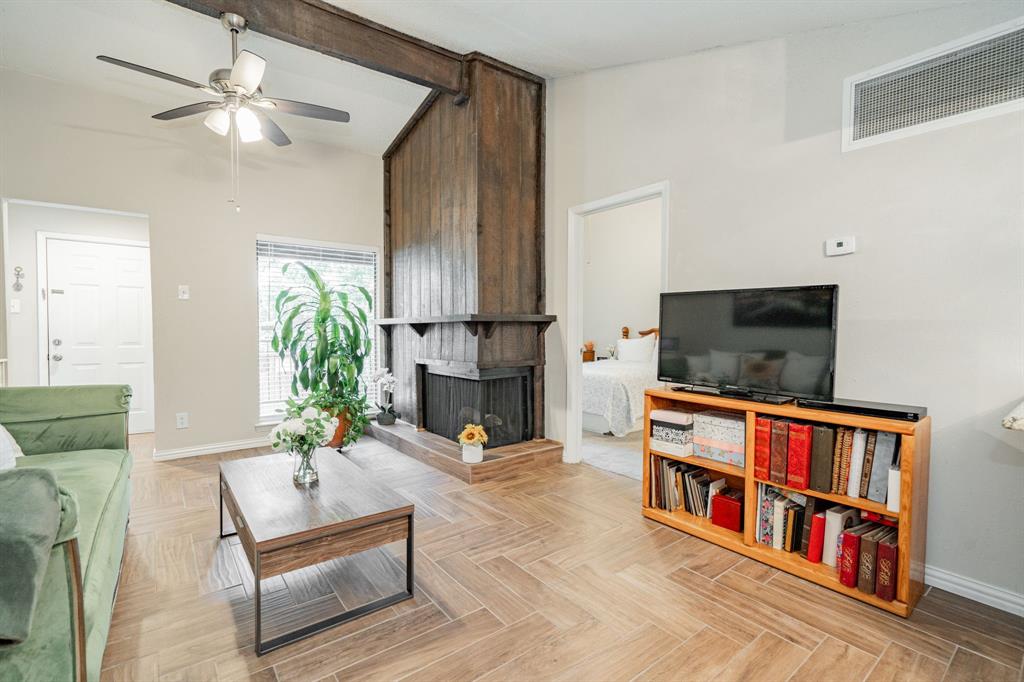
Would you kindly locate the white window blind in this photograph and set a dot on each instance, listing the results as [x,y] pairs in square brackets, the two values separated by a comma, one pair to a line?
[340,267]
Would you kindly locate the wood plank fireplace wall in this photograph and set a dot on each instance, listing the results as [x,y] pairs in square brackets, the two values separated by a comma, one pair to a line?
[464,236]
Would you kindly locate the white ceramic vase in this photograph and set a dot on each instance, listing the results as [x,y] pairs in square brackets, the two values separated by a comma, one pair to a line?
[473,454]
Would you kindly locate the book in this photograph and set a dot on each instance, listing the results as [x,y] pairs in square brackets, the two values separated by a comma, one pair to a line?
[798,466]
[817,540]
[868,559]
[869,458]
[715,488]
[849,560]
[807,525]
[844,463]
[837,519]
[823,441]
[878,518]
[885,451]
[779,522]
[794,527]
[837,458]
[762,447]
[727,509]
[857,449]
[779,447]
[892,501]
[885,569]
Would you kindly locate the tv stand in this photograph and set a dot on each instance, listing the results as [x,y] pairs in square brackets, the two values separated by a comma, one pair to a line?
[737,392]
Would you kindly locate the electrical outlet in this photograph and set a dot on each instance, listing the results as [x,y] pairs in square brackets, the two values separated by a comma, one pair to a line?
[181,420]
[183,292]
[840,246]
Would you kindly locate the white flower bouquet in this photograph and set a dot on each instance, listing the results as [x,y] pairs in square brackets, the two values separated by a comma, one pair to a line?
[387,383]
[301,434]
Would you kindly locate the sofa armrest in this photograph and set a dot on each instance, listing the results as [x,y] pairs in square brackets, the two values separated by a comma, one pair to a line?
[64,418]
[30,520]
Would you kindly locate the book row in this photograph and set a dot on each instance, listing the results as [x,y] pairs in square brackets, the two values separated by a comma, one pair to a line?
[860,545]
[836,460]
[677,485]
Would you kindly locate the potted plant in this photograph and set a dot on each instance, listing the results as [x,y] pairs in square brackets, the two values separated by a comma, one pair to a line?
[473,438]
[386,383]
[306,428]
[324,331]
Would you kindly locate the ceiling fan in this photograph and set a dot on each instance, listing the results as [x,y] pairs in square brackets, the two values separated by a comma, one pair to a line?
[239,97]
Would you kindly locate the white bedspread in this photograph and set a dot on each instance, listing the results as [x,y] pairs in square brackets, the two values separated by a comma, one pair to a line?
[615,391]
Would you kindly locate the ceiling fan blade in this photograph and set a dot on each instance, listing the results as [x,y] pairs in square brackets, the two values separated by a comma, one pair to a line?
[187,110]
[287,106]
[158,74]
[247,71]
[270,130]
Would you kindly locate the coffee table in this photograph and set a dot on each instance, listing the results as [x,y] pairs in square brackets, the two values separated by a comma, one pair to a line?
[284,527]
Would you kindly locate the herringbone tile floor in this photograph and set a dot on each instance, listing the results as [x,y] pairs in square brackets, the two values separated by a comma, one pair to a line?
[548,575]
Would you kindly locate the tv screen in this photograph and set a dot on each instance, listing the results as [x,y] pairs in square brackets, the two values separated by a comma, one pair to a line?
[778,341]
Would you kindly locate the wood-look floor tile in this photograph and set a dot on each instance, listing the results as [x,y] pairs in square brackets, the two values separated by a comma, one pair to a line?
[968,666]
[767,659]
[900,664]
[559,610]
[835,661]
[693,659]
[625,659]
[501,601]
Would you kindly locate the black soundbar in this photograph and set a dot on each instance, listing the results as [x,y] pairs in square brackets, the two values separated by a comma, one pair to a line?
[910,413]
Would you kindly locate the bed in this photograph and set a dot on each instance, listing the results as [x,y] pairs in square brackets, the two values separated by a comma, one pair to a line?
[613,390]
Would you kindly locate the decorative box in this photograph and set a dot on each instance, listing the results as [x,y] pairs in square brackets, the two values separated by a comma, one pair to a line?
[727,510]
[719,436]
[672,432]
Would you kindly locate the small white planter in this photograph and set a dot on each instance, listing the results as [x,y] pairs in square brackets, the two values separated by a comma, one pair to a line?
[472,454]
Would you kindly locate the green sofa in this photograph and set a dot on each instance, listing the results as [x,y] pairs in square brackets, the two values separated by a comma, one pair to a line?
[76,472]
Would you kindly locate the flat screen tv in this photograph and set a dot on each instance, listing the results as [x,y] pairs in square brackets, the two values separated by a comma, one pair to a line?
[778,341]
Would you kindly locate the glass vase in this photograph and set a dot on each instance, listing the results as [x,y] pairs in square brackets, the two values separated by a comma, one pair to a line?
[305,472]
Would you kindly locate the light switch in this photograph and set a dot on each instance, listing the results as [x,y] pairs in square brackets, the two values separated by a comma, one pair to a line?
[840,246]
[15,306]
[183,293]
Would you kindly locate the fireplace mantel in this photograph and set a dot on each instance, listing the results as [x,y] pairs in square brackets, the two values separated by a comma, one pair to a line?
[474,322]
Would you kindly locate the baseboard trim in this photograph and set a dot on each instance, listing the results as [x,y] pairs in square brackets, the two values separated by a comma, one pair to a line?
[210,448]
[997,597]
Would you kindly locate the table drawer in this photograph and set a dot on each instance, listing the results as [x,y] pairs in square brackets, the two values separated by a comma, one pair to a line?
[332,546]
[244,535]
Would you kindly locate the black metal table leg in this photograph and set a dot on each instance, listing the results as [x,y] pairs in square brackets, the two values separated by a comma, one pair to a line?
[313,628]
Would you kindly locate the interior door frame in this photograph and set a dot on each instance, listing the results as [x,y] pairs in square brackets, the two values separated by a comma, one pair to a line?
[43,282]
[574,360]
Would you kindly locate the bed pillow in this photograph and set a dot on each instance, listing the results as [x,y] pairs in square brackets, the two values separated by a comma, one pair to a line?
[802,373]
[635,350]
[9,449]
[725,365]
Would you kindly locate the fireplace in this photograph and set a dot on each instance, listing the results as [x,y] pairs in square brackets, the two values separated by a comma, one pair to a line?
[500,398]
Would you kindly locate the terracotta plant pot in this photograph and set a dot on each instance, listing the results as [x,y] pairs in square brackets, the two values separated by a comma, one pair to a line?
[339,434]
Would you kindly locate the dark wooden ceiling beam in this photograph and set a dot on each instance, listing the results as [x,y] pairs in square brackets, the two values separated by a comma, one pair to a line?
[319,26]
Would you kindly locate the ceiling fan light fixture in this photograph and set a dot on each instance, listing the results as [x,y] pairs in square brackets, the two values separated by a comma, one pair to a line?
[249,129]
[218,121]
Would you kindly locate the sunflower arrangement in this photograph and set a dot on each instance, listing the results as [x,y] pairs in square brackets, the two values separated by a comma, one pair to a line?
[473,434]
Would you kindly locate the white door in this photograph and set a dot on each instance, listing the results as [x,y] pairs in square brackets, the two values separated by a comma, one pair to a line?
[99,320]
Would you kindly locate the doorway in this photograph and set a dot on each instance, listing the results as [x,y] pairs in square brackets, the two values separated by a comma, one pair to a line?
[96,317]
[617,266]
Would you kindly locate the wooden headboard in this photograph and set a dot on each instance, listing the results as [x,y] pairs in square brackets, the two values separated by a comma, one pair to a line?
[642,332]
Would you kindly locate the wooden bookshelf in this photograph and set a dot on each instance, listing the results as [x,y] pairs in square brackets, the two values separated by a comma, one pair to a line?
[914,444]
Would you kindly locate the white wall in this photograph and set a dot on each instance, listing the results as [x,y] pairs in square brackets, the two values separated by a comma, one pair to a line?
[930,305]
[621,272]
[24,221]
[64,144]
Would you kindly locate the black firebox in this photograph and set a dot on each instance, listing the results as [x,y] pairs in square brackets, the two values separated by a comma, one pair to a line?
[501,399]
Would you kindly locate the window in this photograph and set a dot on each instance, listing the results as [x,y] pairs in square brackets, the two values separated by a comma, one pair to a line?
[339,266]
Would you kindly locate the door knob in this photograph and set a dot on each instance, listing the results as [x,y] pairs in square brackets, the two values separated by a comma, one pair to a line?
[57,357]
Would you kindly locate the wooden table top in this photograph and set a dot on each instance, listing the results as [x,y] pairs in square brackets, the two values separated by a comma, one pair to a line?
[274,508]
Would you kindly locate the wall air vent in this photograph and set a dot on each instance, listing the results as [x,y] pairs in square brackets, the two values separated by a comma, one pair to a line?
[974,77]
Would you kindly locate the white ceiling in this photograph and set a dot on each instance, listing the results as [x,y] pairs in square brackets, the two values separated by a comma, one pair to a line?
[559,37]
[60,40]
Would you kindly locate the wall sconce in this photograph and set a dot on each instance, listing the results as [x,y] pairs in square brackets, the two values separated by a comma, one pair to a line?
[19,274]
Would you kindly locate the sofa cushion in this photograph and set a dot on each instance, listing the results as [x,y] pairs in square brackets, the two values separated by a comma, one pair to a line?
[99,480]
